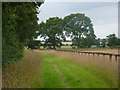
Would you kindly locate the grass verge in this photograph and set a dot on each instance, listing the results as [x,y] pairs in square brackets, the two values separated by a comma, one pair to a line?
[75,76]
[24,73]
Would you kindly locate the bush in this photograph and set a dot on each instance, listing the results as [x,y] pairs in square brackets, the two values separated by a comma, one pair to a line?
[11,48]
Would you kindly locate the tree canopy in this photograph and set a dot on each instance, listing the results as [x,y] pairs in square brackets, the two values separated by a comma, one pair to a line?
[103,42]
[113,40]
[80,28]
[52,31]
[19,25]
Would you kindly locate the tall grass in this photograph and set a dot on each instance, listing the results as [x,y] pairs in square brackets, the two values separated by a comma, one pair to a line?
[0,77]
[24,73]
[55,69]
[102,67]
[103,50]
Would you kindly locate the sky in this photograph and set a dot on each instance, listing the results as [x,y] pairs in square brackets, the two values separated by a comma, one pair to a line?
[104,15]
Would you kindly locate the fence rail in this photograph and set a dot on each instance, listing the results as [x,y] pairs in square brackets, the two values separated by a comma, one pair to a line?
[97,53]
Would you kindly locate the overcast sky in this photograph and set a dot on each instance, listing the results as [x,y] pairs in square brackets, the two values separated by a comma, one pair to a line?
[104,15]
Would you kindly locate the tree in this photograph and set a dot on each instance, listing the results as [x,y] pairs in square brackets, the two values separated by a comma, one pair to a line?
[97,41]
[112,40]
[52,32]
[80,28]
[103,42]
[34,44]
[118,41]
[19,26]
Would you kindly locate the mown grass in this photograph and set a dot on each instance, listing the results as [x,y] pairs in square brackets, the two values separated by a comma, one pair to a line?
[80,77]
[50,78]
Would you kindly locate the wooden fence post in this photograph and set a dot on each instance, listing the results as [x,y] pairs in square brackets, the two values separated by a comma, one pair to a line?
[115,57]
[98,53]
[110,56]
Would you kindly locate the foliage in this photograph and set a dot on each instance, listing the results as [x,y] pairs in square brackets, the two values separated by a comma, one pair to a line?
[19,24]
[80,28]
[33,44]
[103,42]
[52,32]
[97,41]
[112,40]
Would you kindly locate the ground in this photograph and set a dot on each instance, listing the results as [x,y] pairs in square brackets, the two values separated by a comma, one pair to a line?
[53,69]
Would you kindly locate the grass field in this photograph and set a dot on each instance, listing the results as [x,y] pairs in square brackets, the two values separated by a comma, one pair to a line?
[53,69]
[24,72]
[103,50]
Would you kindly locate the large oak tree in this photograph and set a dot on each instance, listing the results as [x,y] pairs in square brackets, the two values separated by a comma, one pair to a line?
[52,31]
[80,28]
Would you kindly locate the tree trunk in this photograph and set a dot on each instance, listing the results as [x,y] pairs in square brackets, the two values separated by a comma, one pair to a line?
[78,46]
[54,43]
[54,46]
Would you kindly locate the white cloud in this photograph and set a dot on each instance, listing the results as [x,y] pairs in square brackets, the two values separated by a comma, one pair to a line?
[103,30]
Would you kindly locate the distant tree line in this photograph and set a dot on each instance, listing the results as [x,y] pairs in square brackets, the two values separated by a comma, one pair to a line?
[111,41]
[76,26]
[19,23]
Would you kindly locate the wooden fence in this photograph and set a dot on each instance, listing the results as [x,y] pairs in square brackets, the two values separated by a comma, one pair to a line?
[93,53]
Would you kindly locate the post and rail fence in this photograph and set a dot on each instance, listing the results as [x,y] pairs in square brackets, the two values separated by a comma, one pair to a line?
[93,53]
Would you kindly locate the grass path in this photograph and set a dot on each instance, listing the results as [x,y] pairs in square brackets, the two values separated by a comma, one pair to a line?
[50,78]
[63,79]
[59,73]
[39,69]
